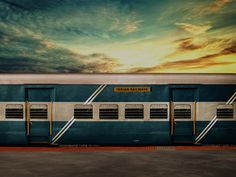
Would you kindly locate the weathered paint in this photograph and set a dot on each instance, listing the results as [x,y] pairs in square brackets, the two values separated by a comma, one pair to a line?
[117,133]
[80,93]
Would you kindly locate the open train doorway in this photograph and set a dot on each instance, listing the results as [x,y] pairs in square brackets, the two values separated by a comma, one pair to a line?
[39,114]
[183,114]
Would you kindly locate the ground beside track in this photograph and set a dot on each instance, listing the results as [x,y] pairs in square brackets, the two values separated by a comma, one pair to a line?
[179,161]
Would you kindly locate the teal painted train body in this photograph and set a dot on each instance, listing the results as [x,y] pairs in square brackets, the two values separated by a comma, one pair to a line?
[174,109]
[80,92]
[116,133]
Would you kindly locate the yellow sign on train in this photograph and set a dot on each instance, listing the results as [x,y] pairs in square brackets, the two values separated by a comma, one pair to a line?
[132,89]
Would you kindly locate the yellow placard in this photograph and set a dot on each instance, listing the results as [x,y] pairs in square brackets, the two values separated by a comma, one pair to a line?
[132,89]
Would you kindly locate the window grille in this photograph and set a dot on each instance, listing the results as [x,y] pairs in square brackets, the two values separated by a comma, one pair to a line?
[38,111]
[14,111]
[134,111]
[182,111]
[83,111]
[108,111]
[158,111]
[225,112]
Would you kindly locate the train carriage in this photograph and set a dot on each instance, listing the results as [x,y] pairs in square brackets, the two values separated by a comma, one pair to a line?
[117,109]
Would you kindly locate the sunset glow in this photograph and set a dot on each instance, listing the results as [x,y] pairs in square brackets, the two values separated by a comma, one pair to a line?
[118,36]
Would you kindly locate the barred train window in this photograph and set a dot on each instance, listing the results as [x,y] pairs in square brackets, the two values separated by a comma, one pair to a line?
[225,112]
[182,111]
[108,111]
[14,111]
[134,111]
[158,111]
[38,111]
[83,111]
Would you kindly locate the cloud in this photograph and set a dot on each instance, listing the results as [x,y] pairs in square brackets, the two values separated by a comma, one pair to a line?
[197,63]
[25,64]
[34,54]
[96,36]
[98,63]
[217,5]
[125,26]
[47,44]
[94,63]
[81,22]
[194,29]
[131,26]
[15,5]
[188,44]
[199,46]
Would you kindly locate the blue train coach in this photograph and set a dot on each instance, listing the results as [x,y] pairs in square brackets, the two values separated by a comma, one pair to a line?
[117,109]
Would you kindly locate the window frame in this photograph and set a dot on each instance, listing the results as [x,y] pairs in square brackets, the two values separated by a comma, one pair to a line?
[16,104]
[159,107]
[184,104]
[84,106]
[108,106]
[225,105]
[39,105]
[135,106]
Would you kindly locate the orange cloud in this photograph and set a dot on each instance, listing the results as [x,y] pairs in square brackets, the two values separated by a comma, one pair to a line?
[198,63]
[189,44]
[216,6]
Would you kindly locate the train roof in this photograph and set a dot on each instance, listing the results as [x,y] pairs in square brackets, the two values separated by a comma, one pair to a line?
[117,78]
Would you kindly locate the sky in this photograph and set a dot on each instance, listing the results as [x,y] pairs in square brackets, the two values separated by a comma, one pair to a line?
[117,36]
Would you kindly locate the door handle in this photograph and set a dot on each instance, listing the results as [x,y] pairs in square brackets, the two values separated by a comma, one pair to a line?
[175,123]
[30,122]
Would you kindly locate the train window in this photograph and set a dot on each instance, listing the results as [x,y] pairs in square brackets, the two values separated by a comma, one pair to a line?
[108,111]
[14,111]
[182,111]
[225,112]
[158,111]
[134,111]
[83,111]
[38,111]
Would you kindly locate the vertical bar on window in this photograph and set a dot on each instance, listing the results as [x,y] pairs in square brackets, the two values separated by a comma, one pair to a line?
[27,113]
[194,117]
[51,109]
[171,119]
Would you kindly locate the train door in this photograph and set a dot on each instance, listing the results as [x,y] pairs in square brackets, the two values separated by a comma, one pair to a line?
[39,114]
[183,114]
